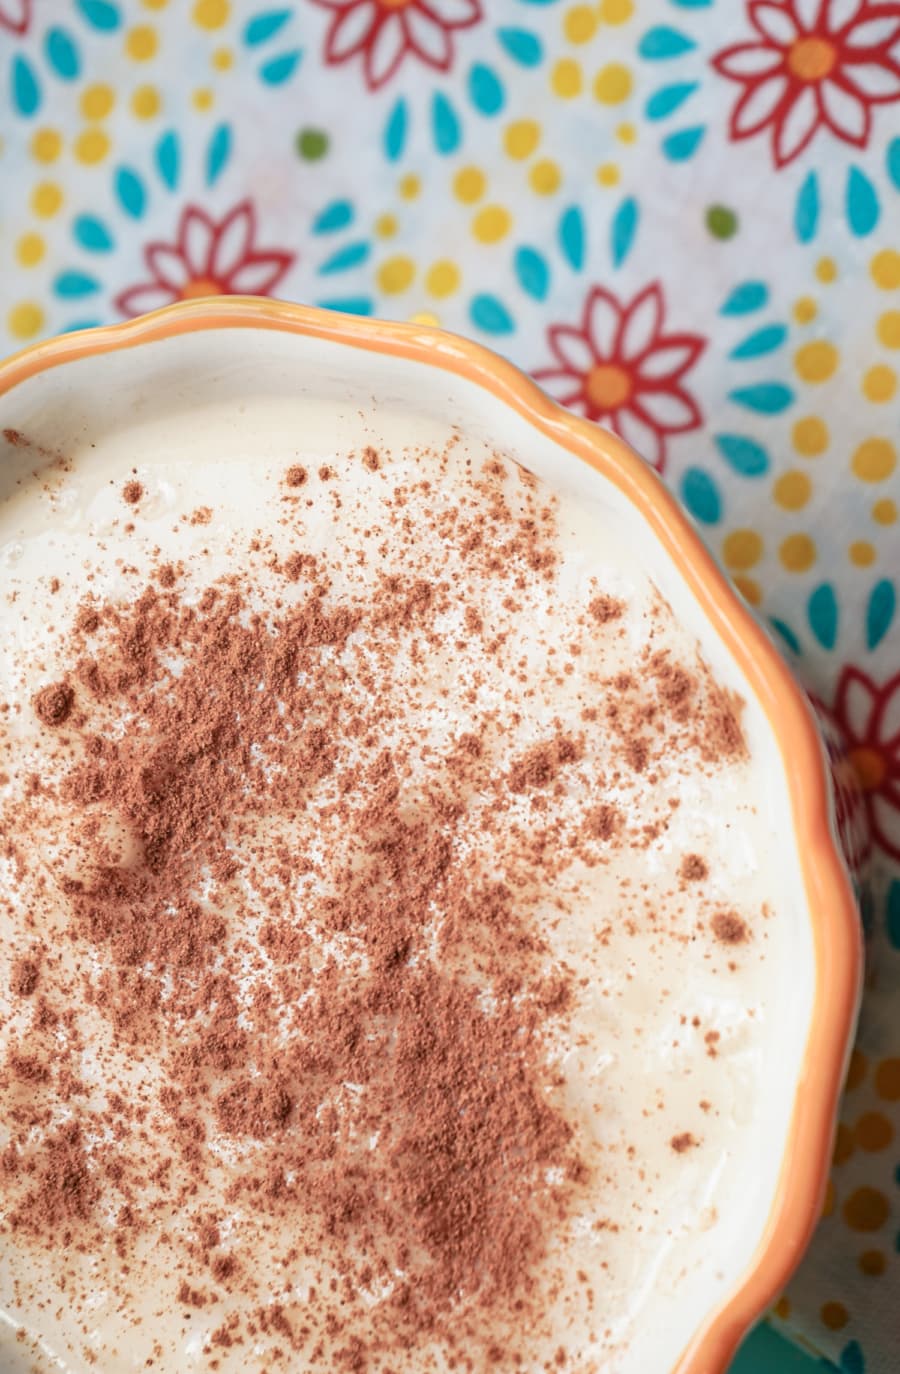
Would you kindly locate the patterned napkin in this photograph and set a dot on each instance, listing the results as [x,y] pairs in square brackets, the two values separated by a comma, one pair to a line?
[681,215]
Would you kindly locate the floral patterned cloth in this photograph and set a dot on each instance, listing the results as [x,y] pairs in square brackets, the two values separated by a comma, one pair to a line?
[680,215]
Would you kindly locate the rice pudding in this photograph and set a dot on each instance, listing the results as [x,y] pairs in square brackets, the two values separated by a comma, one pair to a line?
[386,927]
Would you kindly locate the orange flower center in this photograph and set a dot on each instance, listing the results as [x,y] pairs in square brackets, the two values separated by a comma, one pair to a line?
[811,59]
[200,286]
[869,767]
[608,386]
[394,4]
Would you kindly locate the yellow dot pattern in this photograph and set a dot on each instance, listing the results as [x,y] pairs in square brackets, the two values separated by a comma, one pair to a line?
[874,460]
[211,14]
[817,361]
[396,275]
[797,552]
[885,269]
[46,199]
[861,553]
[469,185]
[145,102]
[866,1210]
[879,384]
[491,224]
[567,78]
[826,270]
[545,177]
[25,320]
[887,1080]
[616,11]
[834,1315]
[809,436]
[442,278]
[888,329]
[580,23]
[46,145]
[805,309]
[30,250]
[91,146]
[141,43]
[884,512]
[874,1132]
[742,549]
[792,490]
[612,84]
[410,186]
[97,100]
[521,138]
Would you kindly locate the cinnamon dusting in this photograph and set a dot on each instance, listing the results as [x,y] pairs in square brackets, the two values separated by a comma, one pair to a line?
[694,868]
[728,927]
[53,704]
[24,977]
[324,940]
[606,608]
[684,1141]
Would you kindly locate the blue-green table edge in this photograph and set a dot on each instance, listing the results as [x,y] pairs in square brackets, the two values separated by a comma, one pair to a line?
[765,1352]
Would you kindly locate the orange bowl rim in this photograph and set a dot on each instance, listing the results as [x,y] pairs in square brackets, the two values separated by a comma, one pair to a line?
[832,908]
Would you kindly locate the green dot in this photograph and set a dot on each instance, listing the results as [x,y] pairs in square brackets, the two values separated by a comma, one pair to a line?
[312,144]
[721,222]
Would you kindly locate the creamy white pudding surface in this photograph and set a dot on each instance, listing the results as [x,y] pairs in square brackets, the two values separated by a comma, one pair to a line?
[388,922]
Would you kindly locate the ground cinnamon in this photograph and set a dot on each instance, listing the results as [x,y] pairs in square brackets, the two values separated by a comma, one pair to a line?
[728,927]
[311,929]
[53,704]
[694,868]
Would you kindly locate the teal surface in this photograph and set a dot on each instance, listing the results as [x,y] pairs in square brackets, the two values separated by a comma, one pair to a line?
[765,1352]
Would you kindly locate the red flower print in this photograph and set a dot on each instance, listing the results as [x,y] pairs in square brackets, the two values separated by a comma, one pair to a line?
[851,814]
[384,31]
[815,64]
[207,259]
[619,366]
[15,15]
[869,717]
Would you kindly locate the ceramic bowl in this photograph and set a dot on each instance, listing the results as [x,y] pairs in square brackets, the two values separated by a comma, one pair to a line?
[167,368]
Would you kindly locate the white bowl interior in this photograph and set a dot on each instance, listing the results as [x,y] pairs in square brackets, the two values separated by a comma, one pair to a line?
[250,391]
